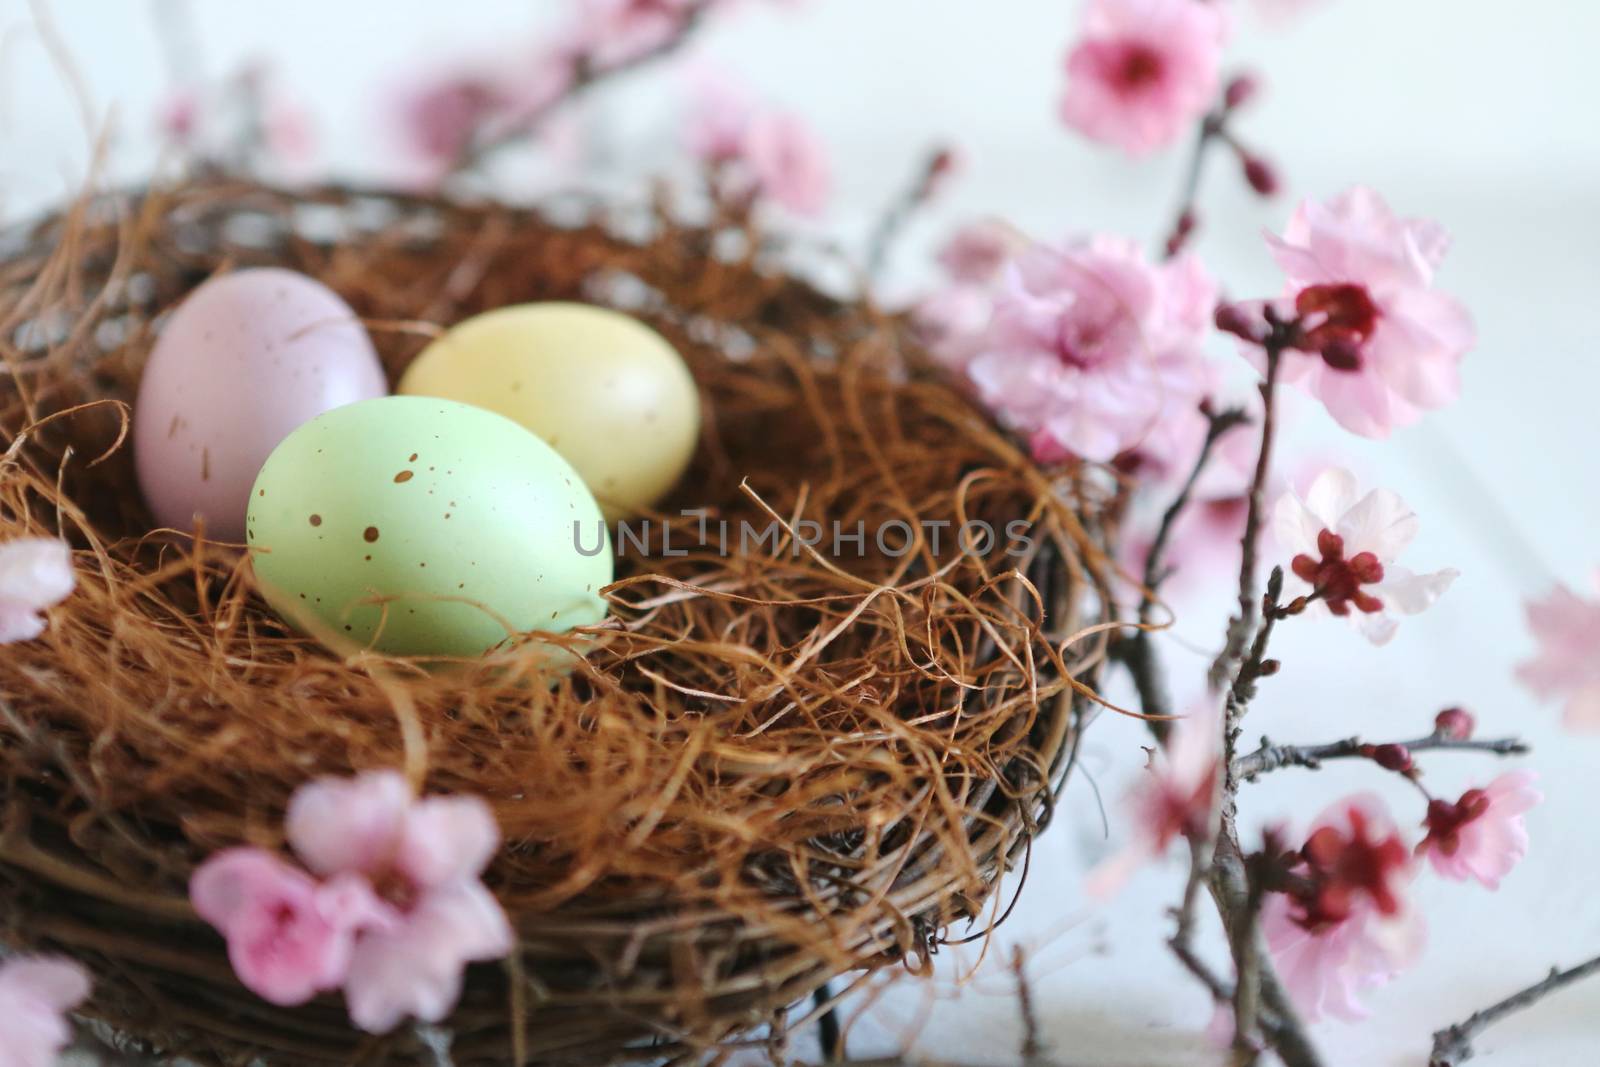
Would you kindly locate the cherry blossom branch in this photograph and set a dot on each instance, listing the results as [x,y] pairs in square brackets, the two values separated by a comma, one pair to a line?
[1453,1044]
[1137,651]
[1270,757]
[1186,220]
[1240,627]
[1156,572]
[1213,130]
[585,75]
[1229,885]
[937,166]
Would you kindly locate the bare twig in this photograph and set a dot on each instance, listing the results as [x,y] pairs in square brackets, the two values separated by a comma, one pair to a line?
[1453,1044]
[1247,955]
[1136,652]
[1242,625]
[1032,1047]
[1271,757]
[1218,423]
[585,75]
[1182,940]
[1280,1024]
[1185,220]
[1251,670]
[886,233]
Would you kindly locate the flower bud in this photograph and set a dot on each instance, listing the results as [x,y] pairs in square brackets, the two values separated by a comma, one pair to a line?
[1261,175]
[1455,723]
[1241,89]
[1231,318]
[1392,757]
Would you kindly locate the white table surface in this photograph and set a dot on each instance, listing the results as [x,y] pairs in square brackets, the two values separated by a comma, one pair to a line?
[1475,112]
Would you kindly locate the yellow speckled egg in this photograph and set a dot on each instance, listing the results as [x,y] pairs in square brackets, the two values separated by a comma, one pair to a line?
[423,527]
[603,389]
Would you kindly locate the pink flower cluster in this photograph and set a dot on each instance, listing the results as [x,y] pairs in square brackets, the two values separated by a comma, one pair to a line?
[758,152]
[35,573]
[388,905]
[1348,929]
[1346,926]
[1092,351]
[1360,282]
[36,992]
[1143,71]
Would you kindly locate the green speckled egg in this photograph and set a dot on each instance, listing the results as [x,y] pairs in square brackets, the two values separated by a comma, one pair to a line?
[424,527]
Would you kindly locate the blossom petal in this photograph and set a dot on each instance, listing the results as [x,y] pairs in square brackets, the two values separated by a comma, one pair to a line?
[415,970]
[1380,523]
[35,571]
[1331,494]
[1410,593]
[58,984]
[448,838]
[19,622]
[348,824]
[1582,710]
[280,944]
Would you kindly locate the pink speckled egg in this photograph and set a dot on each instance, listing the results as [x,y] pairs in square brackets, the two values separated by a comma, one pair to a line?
[245,359]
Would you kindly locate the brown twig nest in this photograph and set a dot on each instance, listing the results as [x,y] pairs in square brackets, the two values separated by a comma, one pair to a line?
[775,766]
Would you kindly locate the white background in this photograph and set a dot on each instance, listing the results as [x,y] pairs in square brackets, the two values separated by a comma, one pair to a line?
[1475,112]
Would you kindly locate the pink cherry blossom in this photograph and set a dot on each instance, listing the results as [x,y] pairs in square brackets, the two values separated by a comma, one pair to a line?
[35,573]
[289,937]
[438,119]
[1347,549]
[952,318]
[1325,971]
[977,253]
[1175,797]
[1093,348]
[757,151]
[1143,71]
[951,321]
[789,162]
[610,32]
[431,852]
[1351,930]
[36,992]
[719,116]
[1362,281]
[1567,663]
[1482,834]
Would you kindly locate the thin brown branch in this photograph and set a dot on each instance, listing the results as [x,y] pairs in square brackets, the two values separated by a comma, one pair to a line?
[886,234]
[1280,1023]
[1185,220]
[1242,625]
[1453,1044]
[1182,940]
[1247,956]
[1270,757]
[1218,423]
[1032,1046]
[1136,652]
[585,76]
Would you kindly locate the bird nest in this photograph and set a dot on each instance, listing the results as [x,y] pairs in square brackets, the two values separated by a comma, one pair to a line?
[779,762]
